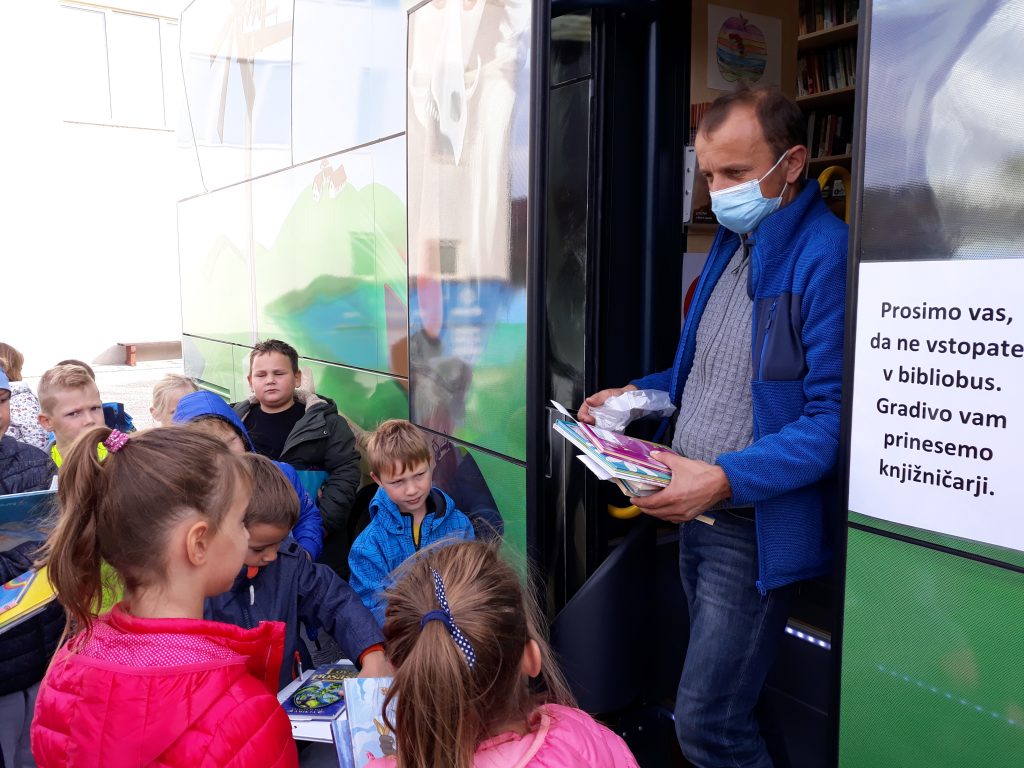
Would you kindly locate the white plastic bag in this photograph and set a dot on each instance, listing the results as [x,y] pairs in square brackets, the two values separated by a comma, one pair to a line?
[617,412]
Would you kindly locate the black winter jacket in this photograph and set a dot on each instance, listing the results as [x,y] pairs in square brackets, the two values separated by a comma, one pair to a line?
[321,441]
[24,468]
[292,589]
[26,649]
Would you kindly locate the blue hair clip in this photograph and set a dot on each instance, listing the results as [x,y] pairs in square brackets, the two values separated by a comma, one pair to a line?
[444,615]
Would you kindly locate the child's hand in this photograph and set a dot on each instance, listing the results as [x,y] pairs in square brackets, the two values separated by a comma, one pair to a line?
[376,664]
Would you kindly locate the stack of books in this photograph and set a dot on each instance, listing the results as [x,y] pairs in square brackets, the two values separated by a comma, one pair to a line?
[624,460]
[320,696]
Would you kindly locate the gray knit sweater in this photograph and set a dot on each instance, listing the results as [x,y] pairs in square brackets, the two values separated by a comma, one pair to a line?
[715,414]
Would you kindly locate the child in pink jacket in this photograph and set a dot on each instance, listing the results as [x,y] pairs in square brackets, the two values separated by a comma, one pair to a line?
[465,640]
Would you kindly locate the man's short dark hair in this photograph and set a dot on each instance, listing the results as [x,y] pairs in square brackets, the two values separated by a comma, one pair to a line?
[782,122]
[275,345]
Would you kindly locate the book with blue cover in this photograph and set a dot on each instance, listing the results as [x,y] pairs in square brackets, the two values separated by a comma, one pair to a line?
[364,735]
[321,696]
[23,597]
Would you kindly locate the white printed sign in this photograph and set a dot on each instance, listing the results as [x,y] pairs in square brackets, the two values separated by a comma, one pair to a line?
[938,397]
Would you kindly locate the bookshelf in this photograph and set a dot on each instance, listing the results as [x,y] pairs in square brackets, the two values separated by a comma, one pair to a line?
[826,85]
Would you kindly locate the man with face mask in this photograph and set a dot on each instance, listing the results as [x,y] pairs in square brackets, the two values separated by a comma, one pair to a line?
[757,378]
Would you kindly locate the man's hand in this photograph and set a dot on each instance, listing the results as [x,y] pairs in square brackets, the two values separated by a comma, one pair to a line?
[597,399]
[695,487]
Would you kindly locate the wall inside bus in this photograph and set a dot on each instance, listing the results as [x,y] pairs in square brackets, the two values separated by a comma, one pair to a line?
[88,198]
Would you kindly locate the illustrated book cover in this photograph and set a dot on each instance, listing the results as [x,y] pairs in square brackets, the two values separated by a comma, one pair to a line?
[24,597]
[636,475]
[619,446]
[321,696]
[364,734]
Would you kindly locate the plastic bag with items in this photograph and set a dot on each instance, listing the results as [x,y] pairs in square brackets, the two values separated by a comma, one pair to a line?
[616,413]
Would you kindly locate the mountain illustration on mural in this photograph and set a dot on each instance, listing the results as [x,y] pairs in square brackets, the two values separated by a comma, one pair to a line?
[742,51]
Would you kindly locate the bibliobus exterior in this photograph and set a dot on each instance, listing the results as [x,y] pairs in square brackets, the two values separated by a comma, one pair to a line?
[448,208]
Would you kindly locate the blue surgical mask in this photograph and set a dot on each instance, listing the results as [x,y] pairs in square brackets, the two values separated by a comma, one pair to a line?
[742,207]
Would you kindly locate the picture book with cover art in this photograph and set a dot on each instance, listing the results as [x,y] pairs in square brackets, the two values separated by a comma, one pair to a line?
[321,696]
[24,597]
[611,467]
[14,590]
[364,735]
[619,446]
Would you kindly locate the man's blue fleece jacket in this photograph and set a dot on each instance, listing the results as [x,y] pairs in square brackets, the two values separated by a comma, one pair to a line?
[797,280]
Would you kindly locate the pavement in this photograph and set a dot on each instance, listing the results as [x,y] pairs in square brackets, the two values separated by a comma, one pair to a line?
[129,384]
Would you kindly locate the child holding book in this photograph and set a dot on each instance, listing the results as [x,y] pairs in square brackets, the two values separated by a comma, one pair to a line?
[152,683]
[279,583]
[26,649]
[465,640]
[406,514]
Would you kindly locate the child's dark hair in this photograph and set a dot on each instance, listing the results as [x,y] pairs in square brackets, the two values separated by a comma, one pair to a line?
[274,501]
[120,510]
[396,445]
[444,708]
[275,345]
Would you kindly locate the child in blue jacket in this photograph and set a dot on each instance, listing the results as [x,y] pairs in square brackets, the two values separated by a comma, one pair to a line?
[207,409]
[406,514]
[279,583]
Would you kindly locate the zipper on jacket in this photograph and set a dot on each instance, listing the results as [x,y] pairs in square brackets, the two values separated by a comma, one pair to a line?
[764,342]
[246,616]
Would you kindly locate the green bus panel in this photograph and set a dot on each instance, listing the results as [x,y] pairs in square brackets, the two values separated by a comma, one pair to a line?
[212,365]
[214,254]
[363,397]
[932,671]
[507,483]
[329,253]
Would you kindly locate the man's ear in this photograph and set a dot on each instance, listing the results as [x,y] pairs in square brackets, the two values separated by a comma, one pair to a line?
[197,542]
[530,664]
[795,162]
[248,377]
[298,379]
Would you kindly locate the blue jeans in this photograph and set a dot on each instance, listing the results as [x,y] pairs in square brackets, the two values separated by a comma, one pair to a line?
[734,635]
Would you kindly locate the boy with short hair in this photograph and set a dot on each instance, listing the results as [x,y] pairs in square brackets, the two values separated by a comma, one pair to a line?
[279,583]
[406,514]
[23,467]
[114,414]
[209,413]
[69,404]
[305,430]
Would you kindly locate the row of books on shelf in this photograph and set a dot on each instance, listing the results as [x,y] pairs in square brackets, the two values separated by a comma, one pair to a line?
[827,69]
[829,134]
[818,15]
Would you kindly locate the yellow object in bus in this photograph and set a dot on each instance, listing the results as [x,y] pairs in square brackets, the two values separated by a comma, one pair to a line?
[623,513]
[844,176]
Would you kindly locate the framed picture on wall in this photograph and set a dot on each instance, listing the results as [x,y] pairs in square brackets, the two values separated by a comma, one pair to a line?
[743,48]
